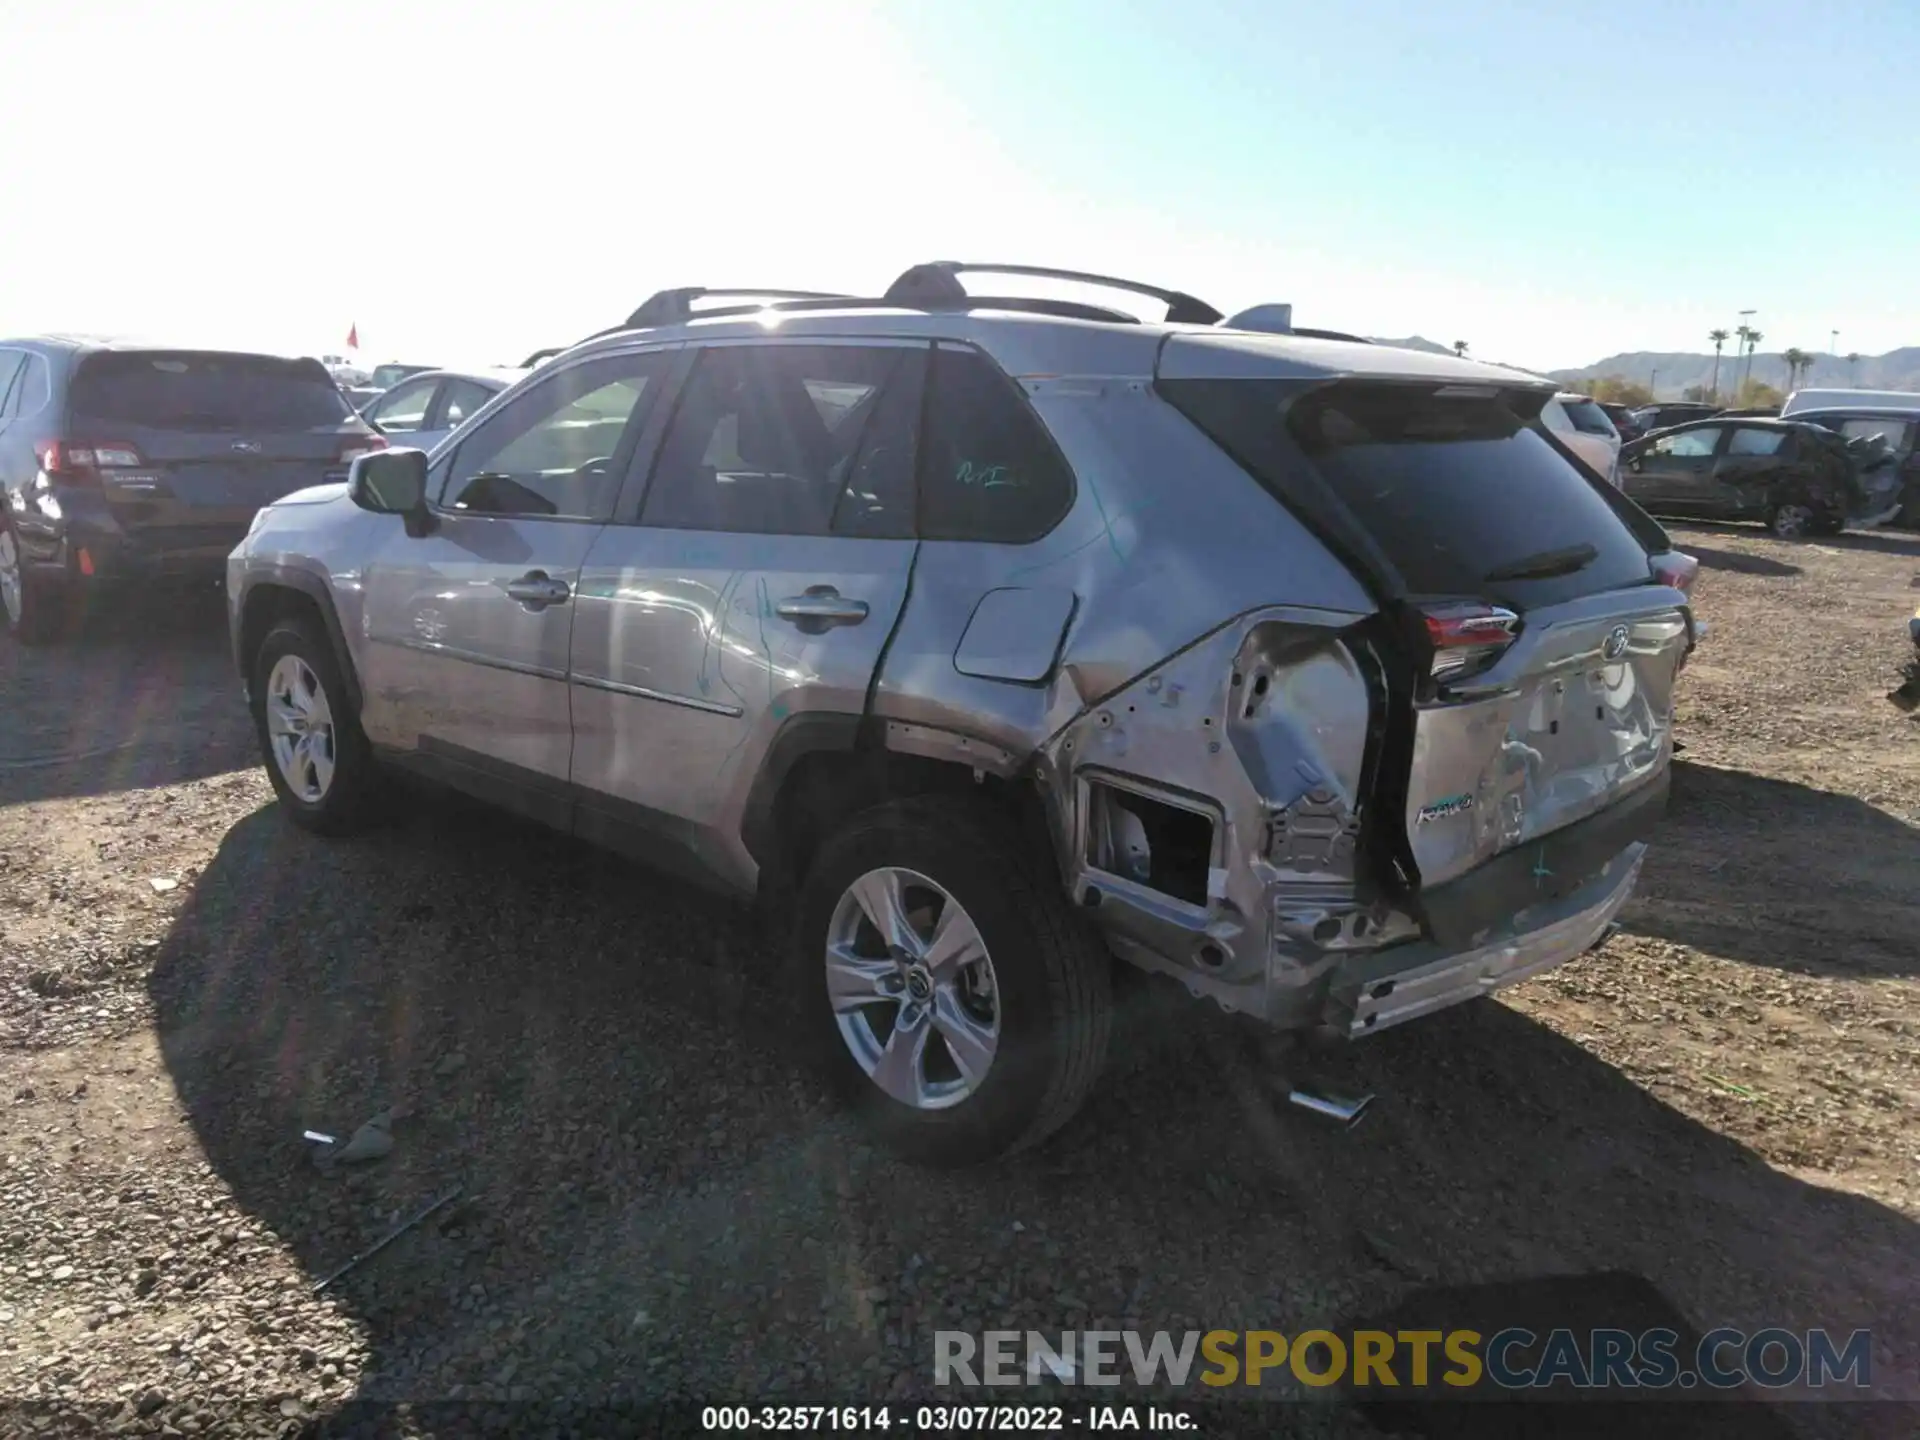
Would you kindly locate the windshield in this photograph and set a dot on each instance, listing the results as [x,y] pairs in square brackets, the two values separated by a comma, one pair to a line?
[202,390]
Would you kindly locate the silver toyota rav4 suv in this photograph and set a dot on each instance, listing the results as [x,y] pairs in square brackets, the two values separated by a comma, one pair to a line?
[990,639]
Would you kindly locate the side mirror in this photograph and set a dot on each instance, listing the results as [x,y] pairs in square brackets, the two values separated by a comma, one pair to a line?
[392,482]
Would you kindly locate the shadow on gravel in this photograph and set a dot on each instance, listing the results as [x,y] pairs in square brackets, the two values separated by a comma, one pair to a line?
[1740,563]
[663,1210]
[145,696]
[1750,868]
[1885,542]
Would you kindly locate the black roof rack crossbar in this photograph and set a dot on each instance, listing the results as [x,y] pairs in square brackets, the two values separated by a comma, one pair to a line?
[675,307]
[936,285]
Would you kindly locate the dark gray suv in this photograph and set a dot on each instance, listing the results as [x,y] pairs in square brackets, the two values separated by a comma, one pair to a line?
[123,462]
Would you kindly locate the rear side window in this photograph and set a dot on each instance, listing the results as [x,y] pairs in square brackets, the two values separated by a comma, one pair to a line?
[1588,418]
[990,471]
[11,362]
[403,408]
[1456,490]
[463,398]
[203,390]
[1756,442]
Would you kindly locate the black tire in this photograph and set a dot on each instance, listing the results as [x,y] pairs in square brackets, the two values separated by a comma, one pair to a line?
[349,802]
[48,608]
[1792,520]
[1053,977]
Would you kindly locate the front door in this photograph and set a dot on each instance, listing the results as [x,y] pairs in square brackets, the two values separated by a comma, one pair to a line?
[1675,472]
[762,578]
[468,627]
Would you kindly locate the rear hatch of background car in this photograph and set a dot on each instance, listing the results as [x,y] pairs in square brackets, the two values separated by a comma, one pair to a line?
[1526,645]
[191,444]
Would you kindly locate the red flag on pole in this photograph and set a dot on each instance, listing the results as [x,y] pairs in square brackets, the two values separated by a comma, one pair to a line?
[353,336]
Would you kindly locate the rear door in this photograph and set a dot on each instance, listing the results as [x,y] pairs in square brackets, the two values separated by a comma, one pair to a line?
[762,568]
[209,437]
[1537,654]
[1746,469]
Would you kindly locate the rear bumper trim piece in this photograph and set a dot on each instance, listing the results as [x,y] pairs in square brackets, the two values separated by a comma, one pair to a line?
[1375,992]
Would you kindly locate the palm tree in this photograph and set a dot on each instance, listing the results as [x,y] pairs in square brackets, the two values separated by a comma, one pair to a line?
[1795,358]
[1719,338]
[1853,364]
[1754,337]
[1460,348]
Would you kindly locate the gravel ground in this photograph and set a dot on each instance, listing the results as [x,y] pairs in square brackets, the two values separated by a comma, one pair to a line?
[658,1205]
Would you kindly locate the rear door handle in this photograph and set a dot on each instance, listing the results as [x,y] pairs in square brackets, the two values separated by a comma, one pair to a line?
[537,590]
[820,606]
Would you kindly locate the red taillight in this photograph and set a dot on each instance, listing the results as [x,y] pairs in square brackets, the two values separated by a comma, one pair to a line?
[359,445]
[84,460]
[1676,568]
[1467,638]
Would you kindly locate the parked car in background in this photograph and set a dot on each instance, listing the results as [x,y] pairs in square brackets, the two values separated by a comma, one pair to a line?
[1797,479]
[361,396]
[127,464]
[1890,402]
[428,406]
[832,611]
[385,377]
[1623,421]
[1898,430]
[1583,427]
[1672,412]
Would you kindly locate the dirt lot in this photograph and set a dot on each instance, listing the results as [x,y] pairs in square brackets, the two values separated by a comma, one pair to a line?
[657,1203]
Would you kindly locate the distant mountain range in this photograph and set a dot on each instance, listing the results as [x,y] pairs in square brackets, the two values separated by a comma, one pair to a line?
[1672,371]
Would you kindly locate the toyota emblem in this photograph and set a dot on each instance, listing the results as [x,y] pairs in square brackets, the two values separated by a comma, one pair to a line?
[1615,644]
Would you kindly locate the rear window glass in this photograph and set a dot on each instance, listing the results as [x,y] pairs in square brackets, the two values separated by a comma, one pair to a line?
[1588,418]
[1452,488]
[182,390]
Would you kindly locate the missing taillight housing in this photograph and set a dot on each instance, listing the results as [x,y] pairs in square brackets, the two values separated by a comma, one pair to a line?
[1675,568]
[1467,638]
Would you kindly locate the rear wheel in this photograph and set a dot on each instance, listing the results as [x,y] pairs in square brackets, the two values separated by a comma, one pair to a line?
[317,757]
[1790,520]
[36,606]
[960,1004]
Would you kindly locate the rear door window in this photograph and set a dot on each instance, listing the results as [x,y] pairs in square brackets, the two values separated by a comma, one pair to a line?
[11,362]
[790,440]
[1451,484]
[204,390]
[1756,442]
[462,398]
[1588,418]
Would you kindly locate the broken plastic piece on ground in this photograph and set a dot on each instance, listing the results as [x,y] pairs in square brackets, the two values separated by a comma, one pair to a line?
[371,1141]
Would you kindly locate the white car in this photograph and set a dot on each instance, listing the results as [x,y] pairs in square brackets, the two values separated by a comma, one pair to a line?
[1583,427]
[423,409]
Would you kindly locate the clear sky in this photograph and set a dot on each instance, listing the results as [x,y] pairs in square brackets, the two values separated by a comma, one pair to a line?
[1550,182]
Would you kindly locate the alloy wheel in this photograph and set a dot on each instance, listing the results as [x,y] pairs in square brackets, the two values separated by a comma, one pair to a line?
[10,576]
[300,727]
[912,988]
[1791,520]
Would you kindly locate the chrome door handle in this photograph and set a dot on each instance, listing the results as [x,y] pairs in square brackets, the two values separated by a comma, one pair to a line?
[822,605]
[537,590]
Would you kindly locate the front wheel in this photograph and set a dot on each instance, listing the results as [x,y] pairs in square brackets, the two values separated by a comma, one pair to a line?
[318,759]
[962,1007]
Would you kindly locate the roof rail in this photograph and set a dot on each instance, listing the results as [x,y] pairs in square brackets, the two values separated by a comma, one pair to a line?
[675,307]
[936,285]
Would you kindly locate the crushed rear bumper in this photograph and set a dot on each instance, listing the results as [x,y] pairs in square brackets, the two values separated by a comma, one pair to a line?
[1373,992]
